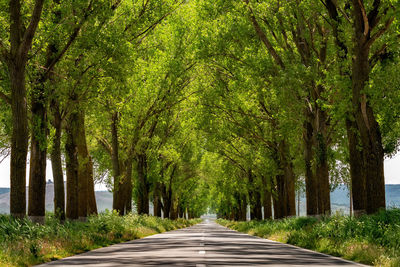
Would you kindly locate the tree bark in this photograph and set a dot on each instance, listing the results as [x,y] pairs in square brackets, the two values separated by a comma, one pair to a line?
[72,166]
[280,200]
[85,172]
[266,199]
[37,172]
[142,185]
[368,126]
[115,162]
[157,200]
[311,181]
[92,205]
[267,203]
[243,208]
[322,173]
[357,169]
[20,44]
[167,200]
[255,199]
[19,140]
[288,180]
[56,164]
[125,190]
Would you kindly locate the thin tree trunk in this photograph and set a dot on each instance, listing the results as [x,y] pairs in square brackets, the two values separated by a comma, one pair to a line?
[156,200]
[357,170]
[167,201]
[128,185]
[72,166]
[280,203]
[311,181]
[83,166]
[288,181]
[351,201]
[243,208]
[115,162]
[267,203]
[92,205]
[142,183]
[321,127]
[37,172]
[56,164]
[255,199]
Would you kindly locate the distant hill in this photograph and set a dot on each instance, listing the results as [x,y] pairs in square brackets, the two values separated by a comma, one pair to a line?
[103,198]
[340,199]
[4,190]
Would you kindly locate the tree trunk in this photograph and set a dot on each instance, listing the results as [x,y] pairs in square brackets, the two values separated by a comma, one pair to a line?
[115,162]
[322,173]
[280,203]
[128,185]
[243,208]
[20,44]
[255,199]
[84,165]
[92,205]
[311,181]
[357,170]
[19,140]
[122,171]
[174,209]
[56,164]
[267,203]
[368,127]
[287,184]
[157,200]
[167,200]
[125,190]
[37,172]
[142,185]
[72,166]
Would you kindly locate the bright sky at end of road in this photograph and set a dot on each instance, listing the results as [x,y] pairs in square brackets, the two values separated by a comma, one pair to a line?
[392,172]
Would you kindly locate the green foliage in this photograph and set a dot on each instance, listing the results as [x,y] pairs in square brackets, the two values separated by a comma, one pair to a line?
[372,239]
[24,243]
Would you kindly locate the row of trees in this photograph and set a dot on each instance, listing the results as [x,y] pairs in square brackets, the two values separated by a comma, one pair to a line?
[298,93]
[190,104]
[97,87]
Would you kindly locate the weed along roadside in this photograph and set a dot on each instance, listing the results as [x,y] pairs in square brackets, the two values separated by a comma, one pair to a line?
[370,239]
[23,243]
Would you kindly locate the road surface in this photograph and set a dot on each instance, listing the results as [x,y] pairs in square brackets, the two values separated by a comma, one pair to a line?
[205,244]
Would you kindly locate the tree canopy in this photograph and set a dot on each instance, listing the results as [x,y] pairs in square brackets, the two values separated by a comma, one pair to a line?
[199,106]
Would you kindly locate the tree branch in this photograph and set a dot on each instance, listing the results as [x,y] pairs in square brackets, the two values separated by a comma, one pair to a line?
[264,38]
[30,31]
[5,97]
[379,33]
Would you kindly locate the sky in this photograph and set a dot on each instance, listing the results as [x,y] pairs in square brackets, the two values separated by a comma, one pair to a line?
[392,172]
[5,174]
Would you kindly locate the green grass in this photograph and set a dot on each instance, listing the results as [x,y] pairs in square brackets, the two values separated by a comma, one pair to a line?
[373,240]
[23,243]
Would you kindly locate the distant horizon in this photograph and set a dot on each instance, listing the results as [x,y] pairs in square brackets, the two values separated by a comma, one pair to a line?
[392,172]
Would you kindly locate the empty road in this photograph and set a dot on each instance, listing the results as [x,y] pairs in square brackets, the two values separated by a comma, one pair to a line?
[205,244]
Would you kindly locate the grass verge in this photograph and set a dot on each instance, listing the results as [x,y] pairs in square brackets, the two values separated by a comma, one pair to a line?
[23,243]
[369,239]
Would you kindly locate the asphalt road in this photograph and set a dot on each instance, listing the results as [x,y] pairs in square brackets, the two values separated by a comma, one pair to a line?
[205,244]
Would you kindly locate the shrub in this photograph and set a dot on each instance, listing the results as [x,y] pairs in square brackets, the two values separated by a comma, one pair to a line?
[369,239]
